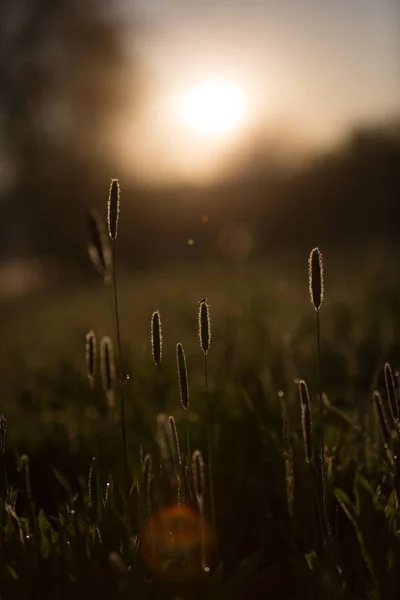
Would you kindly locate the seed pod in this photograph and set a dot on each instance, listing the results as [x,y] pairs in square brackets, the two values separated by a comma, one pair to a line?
[156,337]
[204,325]
[91,352]
[306,420]
[98,245]
[182,375]
[316,278]
[113,208]
[164,440]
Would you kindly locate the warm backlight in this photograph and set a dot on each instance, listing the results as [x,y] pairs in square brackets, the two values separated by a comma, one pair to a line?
[213,107]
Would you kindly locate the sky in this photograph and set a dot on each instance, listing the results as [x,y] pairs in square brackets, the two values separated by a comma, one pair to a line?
[308,71]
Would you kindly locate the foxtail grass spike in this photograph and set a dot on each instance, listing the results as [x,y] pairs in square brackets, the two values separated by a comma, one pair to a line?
[382,420]
[316,278]
[183,376]
[113,208]
[99,245]
[108,373]
[391,394]
[288,458]
[204,325]
[91,353]
[156,337]
[306,421]
[199,481]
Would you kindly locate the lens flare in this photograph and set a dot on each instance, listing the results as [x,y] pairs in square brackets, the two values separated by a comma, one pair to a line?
[177,543]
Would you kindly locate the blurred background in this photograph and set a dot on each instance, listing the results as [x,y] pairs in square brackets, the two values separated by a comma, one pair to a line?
[243,134]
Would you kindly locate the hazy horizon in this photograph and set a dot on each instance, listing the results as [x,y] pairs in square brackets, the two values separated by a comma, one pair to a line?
[309,73]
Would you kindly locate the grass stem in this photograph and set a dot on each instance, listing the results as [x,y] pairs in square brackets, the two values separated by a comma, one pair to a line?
[120,369]
[210,445]
[321,417]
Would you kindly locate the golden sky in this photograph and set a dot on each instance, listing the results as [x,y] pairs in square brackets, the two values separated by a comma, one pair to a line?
[304,71]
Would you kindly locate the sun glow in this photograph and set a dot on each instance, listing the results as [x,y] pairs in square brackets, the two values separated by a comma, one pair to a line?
[213,107]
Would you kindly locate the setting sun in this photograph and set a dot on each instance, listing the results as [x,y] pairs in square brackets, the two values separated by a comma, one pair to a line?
[213,107]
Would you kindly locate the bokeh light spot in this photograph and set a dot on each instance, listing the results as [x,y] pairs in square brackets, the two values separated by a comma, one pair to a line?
[177,543]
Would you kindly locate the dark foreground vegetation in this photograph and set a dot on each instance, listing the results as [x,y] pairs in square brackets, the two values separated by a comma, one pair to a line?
[234,490]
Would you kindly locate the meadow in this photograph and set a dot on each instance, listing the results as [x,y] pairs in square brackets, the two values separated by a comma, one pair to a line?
[69,526]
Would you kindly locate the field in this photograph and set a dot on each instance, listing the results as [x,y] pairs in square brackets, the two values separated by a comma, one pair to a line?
[67,531]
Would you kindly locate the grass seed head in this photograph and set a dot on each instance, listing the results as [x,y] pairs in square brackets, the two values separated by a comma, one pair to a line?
[391,394]
[91,353]
[183,376]
[113,208]
[98,245]
[306,421]
[108,373]
[156,337]
[316,278]
[204,325]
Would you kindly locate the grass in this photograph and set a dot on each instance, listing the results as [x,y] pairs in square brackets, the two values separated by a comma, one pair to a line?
[63,531]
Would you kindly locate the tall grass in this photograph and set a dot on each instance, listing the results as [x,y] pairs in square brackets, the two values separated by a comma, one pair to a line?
[316,289]
[183,390]
[156,349]
[204,325]
[89,538]
[113,210]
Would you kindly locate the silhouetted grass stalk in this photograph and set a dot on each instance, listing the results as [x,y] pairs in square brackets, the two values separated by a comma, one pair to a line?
[184,390]
[120,369]
[205,340]
[309,455]
[3,429]
[113,207]
[288,458]
[316,288]
[156,349]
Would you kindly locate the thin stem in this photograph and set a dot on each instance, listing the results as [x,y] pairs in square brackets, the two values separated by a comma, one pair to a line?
[317,499]
[321,417]
[188,450]
[210,444]
[157,389]
[5,475]
[121,382]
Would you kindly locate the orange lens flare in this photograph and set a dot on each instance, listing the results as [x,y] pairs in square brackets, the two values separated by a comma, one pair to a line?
[177,543]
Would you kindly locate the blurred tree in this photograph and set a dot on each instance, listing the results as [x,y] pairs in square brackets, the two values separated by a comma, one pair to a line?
[64,75]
